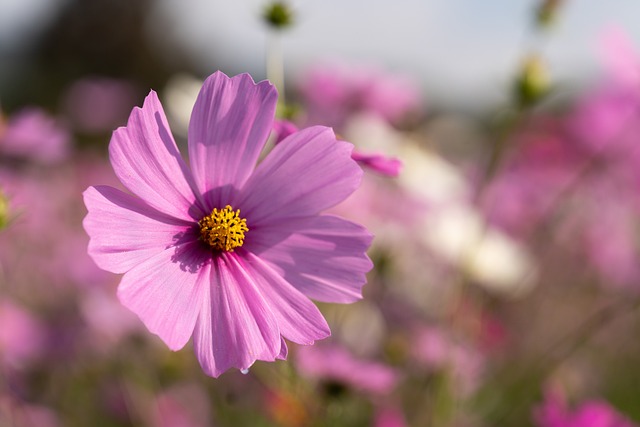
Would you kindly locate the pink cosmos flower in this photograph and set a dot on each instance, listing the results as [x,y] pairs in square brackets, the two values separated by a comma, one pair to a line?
[31,133]
[603,117]
[532,178]
[228,252]
[437,351]
[389,417]
[335,363]
[553,412]
[16,413]
[24,339]
[184,405]
[282,129]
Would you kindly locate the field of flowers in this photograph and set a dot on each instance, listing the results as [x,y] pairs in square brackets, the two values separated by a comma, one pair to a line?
[329,249]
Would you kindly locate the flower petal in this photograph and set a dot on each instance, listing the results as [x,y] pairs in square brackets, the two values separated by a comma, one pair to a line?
[384,165]
[235,327]
[146,159]
[306,173]
[166,292]
[298,319]
[230,123]
[125,231]
[324,257]
[284,350]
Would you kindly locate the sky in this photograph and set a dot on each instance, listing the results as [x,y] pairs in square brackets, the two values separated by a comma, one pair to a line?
[467,49]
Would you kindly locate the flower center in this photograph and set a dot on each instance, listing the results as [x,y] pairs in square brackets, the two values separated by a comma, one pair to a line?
[224,229]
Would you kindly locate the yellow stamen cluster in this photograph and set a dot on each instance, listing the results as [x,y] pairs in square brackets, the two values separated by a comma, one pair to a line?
[224,229]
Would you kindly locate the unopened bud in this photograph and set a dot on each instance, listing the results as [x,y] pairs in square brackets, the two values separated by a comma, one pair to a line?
[533,81]
[278,15]
[547,12]
[4,210]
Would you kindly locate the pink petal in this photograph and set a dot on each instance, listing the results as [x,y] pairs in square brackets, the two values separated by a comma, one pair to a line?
[284,350]
[298,319]
[146,159]
[619,56]
[230,123]
[384,165]
[324,257]
[124,231]
[306,173]
[167,290]
[336,363]
[282,129]
[235,327]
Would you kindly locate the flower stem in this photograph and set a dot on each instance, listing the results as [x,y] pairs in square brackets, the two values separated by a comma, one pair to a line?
[275,63]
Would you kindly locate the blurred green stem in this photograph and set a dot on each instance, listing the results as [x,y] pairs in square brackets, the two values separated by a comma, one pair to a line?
[275,63]
[556,354]
[512,120]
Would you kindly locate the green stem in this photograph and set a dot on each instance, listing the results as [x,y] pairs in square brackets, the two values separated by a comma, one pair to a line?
[275,63]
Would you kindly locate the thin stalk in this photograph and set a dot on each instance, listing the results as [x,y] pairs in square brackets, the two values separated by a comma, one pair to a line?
[275,62]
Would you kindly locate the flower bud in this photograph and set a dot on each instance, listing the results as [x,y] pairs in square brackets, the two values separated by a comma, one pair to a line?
[533,81]
[278,15]
[547,12]
[4,210]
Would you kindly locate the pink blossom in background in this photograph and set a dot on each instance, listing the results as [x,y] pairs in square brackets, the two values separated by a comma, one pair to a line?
[46,213]
[23,336]
[532,178]
[333,92]
[587,197]
[282,129]
[99,104]
[189,270]
[602,117]
[554,412]
[35,203]
[610,239]
[437,351]
[580,174]
[16,413]
[335,363]
[181,406]
[389,417]
[35,135]
[379,202]
[106,318]
[619,57]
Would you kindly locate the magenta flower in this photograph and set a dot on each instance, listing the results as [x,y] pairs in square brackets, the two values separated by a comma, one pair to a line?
[25,339]
[228,252]
[335,363]
[33,134]
[554,412]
